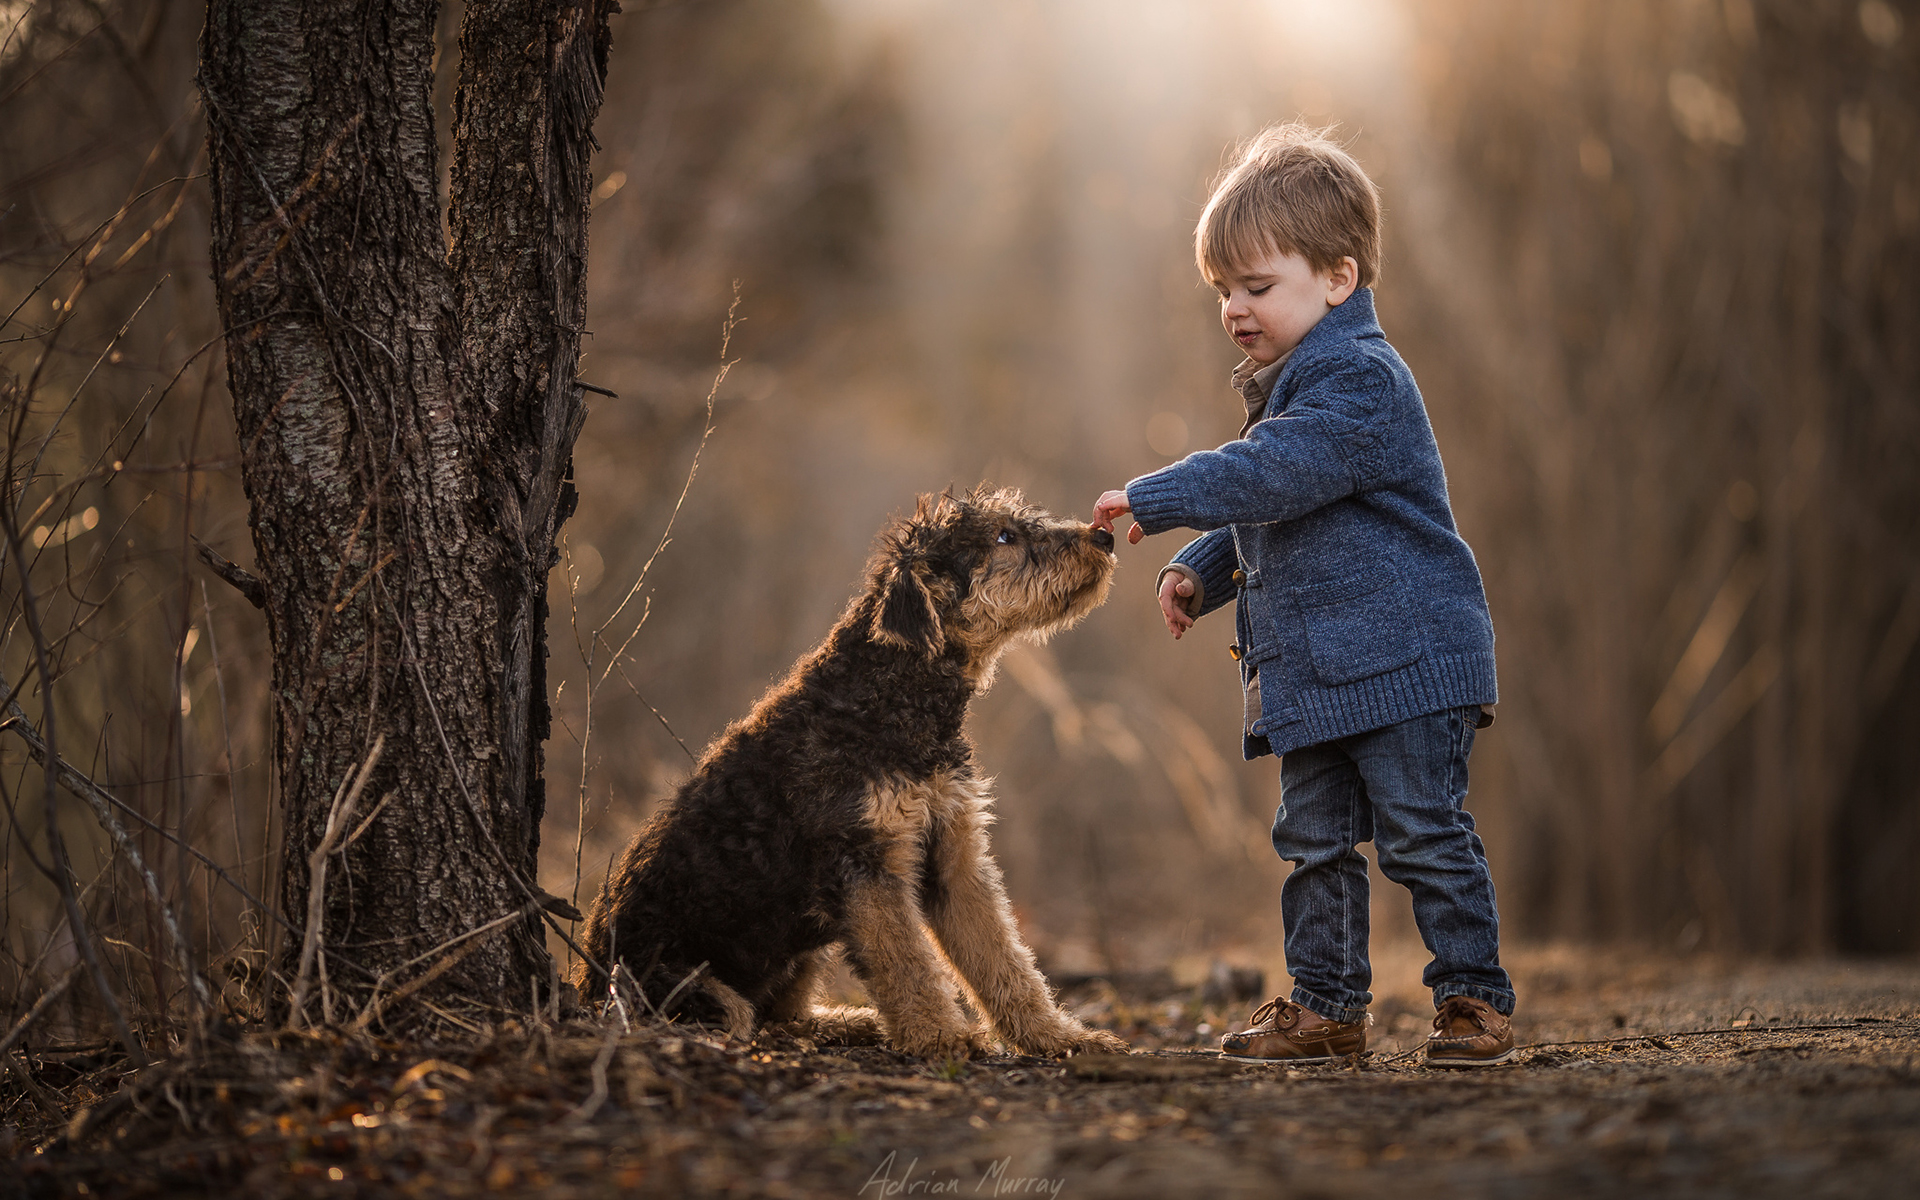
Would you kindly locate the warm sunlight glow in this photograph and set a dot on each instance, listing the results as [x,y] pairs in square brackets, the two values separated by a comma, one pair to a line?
[1352,34]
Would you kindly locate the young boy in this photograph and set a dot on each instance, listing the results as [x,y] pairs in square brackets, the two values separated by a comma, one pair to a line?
[1363,637]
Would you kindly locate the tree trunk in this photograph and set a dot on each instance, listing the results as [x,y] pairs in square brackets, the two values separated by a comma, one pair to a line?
[407,415]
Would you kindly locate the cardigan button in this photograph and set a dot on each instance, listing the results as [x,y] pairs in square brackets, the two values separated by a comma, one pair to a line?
[1234,652]
[1239,576]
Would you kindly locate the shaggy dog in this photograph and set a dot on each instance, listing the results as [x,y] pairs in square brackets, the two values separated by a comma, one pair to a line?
[846,811]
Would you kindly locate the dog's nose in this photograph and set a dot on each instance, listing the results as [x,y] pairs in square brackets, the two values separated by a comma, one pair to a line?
[1103,539]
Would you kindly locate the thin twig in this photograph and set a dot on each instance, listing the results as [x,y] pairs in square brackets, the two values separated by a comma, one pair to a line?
[666,535]
[598,1096]
[62,871]
[242,580]
[103,803]
[532,894]
[65,50]
[226,728]
[49,437]
[366,823]
[78,245]
[41,1100]
[658,715]
[440,968]
[337,818]
[444,1015]
[596,640]
[83,787]
[52,939]
[686,981]
[375,1005]
[40,1006]
[364,580]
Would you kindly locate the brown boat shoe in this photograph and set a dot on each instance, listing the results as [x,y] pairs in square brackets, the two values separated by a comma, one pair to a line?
[1469,1033]
[1286,1032]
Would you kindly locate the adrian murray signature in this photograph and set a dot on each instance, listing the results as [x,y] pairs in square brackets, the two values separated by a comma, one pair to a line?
[996,1180]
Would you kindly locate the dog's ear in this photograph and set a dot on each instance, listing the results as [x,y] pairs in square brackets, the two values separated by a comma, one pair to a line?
[906,616]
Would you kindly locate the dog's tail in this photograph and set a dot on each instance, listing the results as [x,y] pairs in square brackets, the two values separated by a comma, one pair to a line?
[735,1015]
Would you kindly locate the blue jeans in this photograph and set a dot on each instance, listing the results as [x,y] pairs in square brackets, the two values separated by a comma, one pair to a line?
[1402,788]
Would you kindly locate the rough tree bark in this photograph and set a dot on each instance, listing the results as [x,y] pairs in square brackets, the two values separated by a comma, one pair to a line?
[405,399]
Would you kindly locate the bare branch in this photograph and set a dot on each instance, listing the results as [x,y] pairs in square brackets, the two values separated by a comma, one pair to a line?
[103,804]
[62,871]
[40,1006]
[244,581]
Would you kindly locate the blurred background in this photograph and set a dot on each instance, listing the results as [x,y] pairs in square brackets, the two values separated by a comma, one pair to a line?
[1656,266]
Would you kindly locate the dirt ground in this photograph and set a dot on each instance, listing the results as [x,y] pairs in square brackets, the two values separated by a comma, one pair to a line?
[1694,1078]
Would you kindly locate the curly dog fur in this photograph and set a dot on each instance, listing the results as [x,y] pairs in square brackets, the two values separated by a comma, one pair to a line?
[845,810]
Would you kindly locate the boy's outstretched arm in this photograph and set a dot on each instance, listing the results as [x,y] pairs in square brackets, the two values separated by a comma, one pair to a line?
[1336,438]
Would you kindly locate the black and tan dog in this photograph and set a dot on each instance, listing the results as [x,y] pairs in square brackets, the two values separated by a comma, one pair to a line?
[845,810]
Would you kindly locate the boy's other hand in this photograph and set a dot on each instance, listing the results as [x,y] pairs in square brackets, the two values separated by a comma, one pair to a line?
[1111,505]
[1175,590]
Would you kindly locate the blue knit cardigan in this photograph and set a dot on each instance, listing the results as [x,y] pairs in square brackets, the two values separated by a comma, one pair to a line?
[1359,603]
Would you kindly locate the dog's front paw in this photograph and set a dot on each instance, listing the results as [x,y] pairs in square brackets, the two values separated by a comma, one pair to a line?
[942,1045]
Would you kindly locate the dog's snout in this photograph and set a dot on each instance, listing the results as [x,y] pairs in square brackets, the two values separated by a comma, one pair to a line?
[1102,539]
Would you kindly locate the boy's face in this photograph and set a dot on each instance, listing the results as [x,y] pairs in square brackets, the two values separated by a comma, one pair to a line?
[1269,304]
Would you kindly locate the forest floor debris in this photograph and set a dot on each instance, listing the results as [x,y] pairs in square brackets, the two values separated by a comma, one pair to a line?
[1691,1078]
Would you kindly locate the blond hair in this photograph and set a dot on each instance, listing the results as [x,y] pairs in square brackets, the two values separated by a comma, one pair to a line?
[1291,190]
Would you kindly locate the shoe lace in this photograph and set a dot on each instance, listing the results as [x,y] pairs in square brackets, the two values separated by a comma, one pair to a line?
[1459,1008]
[1271,1008]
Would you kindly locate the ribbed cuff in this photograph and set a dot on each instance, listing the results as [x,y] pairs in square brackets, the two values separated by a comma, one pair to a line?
[1212,557]
[1158,501]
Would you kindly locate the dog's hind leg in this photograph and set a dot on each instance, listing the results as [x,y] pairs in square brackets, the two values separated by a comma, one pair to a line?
[903,973]
[793,1000]
[968,910]
[793,1006]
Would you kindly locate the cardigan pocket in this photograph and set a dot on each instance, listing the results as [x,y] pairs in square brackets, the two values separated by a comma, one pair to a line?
[1359,626]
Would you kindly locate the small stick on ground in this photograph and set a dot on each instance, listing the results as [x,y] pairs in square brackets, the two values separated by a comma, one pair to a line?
[598,1096]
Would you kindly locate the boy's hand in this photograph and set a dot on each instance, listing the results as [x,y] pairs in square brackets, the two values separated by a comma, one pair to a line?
[1175,590]
[1114,504]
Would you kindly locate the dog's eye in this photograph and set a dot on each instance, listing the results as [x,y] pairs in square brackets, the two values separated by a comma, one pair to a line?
[1005,538]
